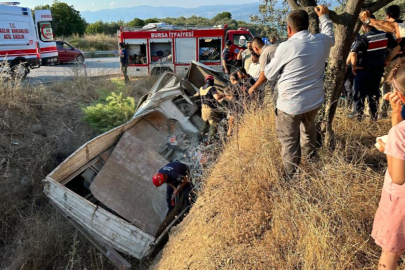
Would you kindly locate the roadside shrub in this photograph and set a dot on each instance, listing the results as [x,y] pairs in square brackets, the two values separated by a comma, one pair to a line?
[105,116]
[94,42]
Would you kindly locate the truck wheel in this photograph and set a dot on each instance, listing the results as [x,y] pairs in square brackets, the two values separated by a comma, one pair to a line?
[19,70]
[80,59]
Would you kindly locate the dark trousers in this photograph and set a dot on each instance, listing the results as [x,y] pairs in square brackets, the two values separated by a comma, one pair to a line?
[367,85]
[124,69]
[294,132]
[348,87]
[185,191]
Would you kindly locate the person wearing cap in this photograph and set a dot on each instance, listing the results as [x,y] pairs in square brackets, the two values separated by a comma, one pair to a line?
[176,176]
[226,57]
[266,53]
[368,58]
[209,103]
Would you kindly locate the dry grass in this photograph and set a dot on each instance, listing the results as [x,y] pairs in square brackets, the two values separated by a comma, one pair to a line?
[247,217]
[39,127]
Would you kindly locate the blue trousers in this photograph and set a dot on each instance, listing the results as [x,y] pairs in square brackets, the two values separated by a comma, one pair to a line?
[367,85]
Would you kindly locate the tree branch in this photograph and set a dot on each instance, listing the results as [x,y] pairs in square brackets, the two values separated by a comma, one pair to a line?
[377,5]
[293,4]
[334,17]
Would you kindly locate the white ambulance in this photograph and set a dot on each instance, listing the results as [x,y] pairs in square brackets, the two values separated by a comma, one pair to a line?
[20,42]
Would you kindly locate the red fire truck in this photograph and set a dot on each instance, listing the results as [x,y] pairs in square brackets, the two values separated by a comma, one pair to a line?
[159,47]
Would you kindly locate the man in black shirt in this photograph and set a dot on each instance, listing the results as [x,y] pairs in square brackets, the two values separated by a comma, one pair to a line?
[175,175]
[368,59]
[209,99]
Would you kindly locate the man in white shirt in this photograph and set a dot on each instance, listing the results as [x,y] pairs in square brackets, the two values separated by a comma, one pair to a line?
[254,68]
[266,53]
[300,65]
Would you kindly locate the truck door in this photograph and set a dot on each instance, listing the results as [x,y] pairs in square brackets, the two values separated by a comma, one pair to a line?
[43,22]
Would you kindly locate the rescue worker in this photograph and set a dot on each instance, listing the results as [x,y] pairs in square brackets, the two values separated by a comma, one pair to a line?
[368,57]
[227,58]
[124,61]
[176,176]
[209,104]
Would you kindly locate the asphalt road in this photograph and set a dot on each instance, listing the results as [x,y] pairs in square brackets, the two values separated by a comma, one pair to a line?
[94,67]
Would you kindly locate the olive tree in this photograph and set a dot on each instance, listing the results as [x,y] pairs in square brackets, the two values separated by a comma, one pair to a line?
[347,26]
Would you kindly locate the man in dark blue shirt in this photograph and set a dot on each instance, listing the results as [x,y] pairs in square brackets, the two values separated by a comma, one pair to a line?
[124,61]
[175,175]
[368,57]
[227,58]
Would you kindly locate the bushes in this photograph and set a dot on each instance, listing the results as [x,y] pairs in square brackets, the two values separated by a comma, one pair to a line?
[97,42]
[116,111]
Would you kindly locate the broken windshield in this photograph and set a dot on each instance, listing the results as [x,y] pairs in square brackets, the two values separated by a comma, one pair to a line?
[166,80]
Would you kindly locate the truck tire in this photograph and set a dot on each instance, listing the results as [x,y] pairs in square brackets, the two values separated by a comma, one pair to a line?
[19,70]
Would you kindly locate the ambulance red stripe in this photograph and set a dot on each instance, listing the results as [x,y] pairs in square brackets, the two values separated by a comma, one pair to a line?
[27,51]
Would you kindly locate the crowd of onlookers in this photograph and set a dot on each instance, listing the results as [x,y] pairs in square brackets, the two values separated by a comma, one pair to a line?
[290,75]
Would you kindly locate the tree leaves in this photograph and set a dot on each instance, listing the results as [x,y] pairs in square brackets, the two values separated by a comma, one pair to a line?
[115,111]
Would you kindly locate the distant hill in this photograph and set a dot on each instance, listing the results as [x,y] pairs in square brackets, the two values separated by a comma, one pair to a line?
[239,12]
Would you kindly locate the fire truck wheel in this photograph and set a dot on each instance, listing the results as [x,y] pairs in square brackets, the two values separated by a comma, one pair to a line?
[19,70]
[80,59]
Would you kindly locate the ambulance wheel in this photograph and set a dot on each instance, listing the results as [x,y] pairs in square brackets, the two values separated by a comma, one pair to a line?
[19,70]
[80,59]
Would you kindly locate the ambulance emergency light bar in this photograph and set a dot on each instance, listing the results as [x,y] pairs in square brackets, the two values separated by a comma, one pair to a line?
[10,3]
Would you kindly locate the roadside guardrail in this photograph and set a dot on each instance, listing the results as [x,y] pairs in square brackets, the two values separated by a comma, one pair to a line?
[96,54]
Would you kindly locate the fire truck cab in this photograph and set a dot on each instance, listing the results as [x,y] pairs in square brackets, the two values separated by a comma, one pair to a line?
[156,48]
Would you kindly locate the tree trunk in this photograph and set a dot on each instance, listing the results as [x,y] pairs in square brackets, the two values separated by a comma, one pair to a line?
[347,28]
[337,63]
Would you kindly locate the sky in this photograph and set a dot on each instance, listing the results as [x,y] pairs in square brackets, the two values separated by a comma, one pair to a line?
[94,5]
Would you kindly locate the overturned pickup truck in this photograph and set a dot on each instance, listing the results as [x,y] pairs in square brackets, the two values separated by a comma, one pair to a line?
[105,189]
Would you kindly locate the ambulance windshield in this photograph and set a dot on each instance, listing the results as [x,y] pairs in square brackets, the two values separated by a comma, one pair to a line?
[45,31]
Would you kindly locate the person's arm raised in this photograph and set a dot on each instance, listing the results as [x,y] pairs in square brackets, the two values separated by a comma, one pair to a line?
[326,24]
[380,25]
